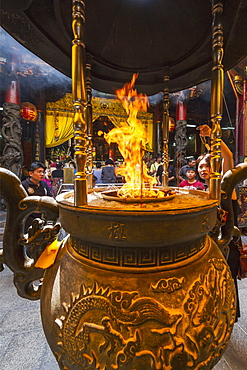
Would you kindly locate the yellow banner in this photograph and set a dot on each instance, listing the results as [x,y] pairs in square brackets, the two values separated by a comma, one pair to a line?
[59,118]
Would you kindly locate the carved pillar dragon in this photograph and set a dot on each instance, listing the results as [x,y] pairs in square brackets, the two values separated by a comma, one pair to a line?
[11,131]
[12,158]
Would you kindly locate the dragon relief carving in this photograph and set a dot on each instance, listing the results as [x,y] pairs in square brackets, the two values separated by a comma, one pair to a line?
[107,329]
[168,285]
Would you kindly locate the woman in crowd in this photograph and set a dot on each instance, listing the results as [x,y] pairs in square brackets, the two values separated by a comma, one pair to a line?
[204,170]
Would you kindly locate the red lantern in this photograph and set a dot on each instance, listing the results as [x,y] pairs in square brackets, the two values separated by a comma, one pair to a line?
[28,112]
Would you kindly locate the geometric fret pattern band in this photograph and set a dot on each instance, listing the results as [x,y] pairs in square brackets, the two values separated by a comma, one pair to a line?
[136,257]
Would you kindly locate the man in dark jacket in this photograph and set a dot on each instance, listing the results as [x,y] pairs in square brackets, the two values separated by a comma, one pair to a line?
[35,186]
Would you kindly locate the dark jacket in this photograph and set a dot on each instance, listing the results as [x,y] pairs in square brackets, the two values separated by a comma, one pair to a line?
[171,173]
[108,175]
[32,189]
[40,189]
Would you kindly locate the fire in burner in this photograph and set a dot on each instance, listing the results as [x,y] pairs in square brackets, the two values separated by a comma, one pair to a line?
[159,196]
[132,138]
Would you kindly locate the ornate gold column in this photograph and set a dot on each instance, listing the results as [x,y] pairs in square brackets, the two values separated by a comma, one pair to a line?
[217,86]
[89,121]
[79,100]
[165,130]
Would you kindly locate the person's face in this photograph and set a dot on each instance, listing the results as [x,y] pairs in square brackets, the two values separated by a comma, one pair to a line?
[37,175]
[192,163]
[190,174]
[159,159]
[204,169]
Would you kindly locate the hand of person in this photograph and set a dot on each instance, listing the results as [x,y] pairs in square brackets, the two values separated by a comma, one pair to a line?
[205,130]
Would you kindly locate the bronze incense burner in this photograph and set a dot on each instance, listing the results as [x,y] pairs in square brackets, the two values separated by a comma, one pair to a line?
[140,293]
[139,285]
[134,286]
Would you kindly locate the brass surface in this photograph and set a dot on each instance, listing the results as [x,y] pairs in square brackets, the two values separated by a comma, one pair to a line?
[116,317]
[143,227]
[217,87]
[79,101]
[165,127]
[131,288]
[89,121]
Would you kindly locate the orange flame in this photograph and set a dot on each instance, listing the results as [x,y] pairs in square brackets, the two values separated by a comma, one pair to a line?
[132,138]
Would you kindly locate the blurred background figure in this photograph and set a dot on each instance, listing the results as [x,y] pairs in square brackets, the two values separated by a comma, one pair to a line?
[171,174]
[108,175]
[154,166]
[59,170]
[47,178]
[191,164]
[57,178]
[97,173]
[192,182]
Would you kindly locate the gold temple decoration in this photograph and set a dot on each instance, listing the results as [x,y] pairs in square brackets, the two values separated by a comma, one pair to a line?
[64,104]
[165,130]
[109,107]
[79,100]
[59,121]
[217,87]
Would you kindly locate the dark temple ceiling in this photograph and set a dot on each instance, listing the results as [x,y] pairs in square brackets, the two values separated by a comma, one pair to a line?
[128,36]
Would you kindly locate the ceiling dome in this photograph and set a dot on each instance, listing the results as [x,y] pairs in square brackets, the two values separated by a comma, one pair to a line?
[128,36]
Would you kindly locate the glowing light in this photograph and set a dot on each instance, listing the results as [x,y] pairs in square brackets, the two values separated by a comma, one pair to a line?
[132,138]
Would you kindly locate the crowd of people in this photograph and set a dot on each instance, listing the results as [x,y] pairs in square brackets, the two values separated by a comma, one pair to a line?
[194,174]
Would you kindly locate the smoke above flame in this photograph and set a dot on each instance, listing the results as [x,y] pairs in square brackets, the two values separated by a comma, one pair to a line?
[131,138]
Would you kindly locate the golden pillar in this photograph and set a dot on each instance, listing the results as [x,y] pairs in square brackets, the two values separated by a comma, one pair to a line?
[89,121]
[217,86]
[79,100]
[165,130]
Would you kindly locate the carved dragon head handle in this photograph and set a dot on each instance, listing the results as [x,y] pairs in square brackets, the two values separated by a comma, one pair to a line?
[19,207]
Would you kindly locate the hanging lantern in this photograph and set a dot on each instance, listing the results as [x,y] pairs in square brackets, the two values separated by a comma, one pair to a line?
[28,112]
[172,124]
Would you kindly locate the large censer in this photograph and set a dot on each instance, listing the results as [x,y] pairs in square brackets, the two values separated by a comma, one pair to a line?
[136,285]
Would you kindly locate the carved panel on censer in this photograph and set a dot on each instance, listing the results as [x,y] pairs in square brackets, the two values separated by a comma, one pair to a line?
[103,328]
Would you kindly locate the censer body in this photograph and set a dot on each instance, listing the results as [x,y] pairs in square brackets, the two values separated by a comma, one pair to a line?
[138,289]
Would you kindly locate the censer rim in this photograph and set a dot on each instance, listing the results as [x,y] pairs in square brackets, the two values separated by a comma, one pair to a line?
[64,203]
